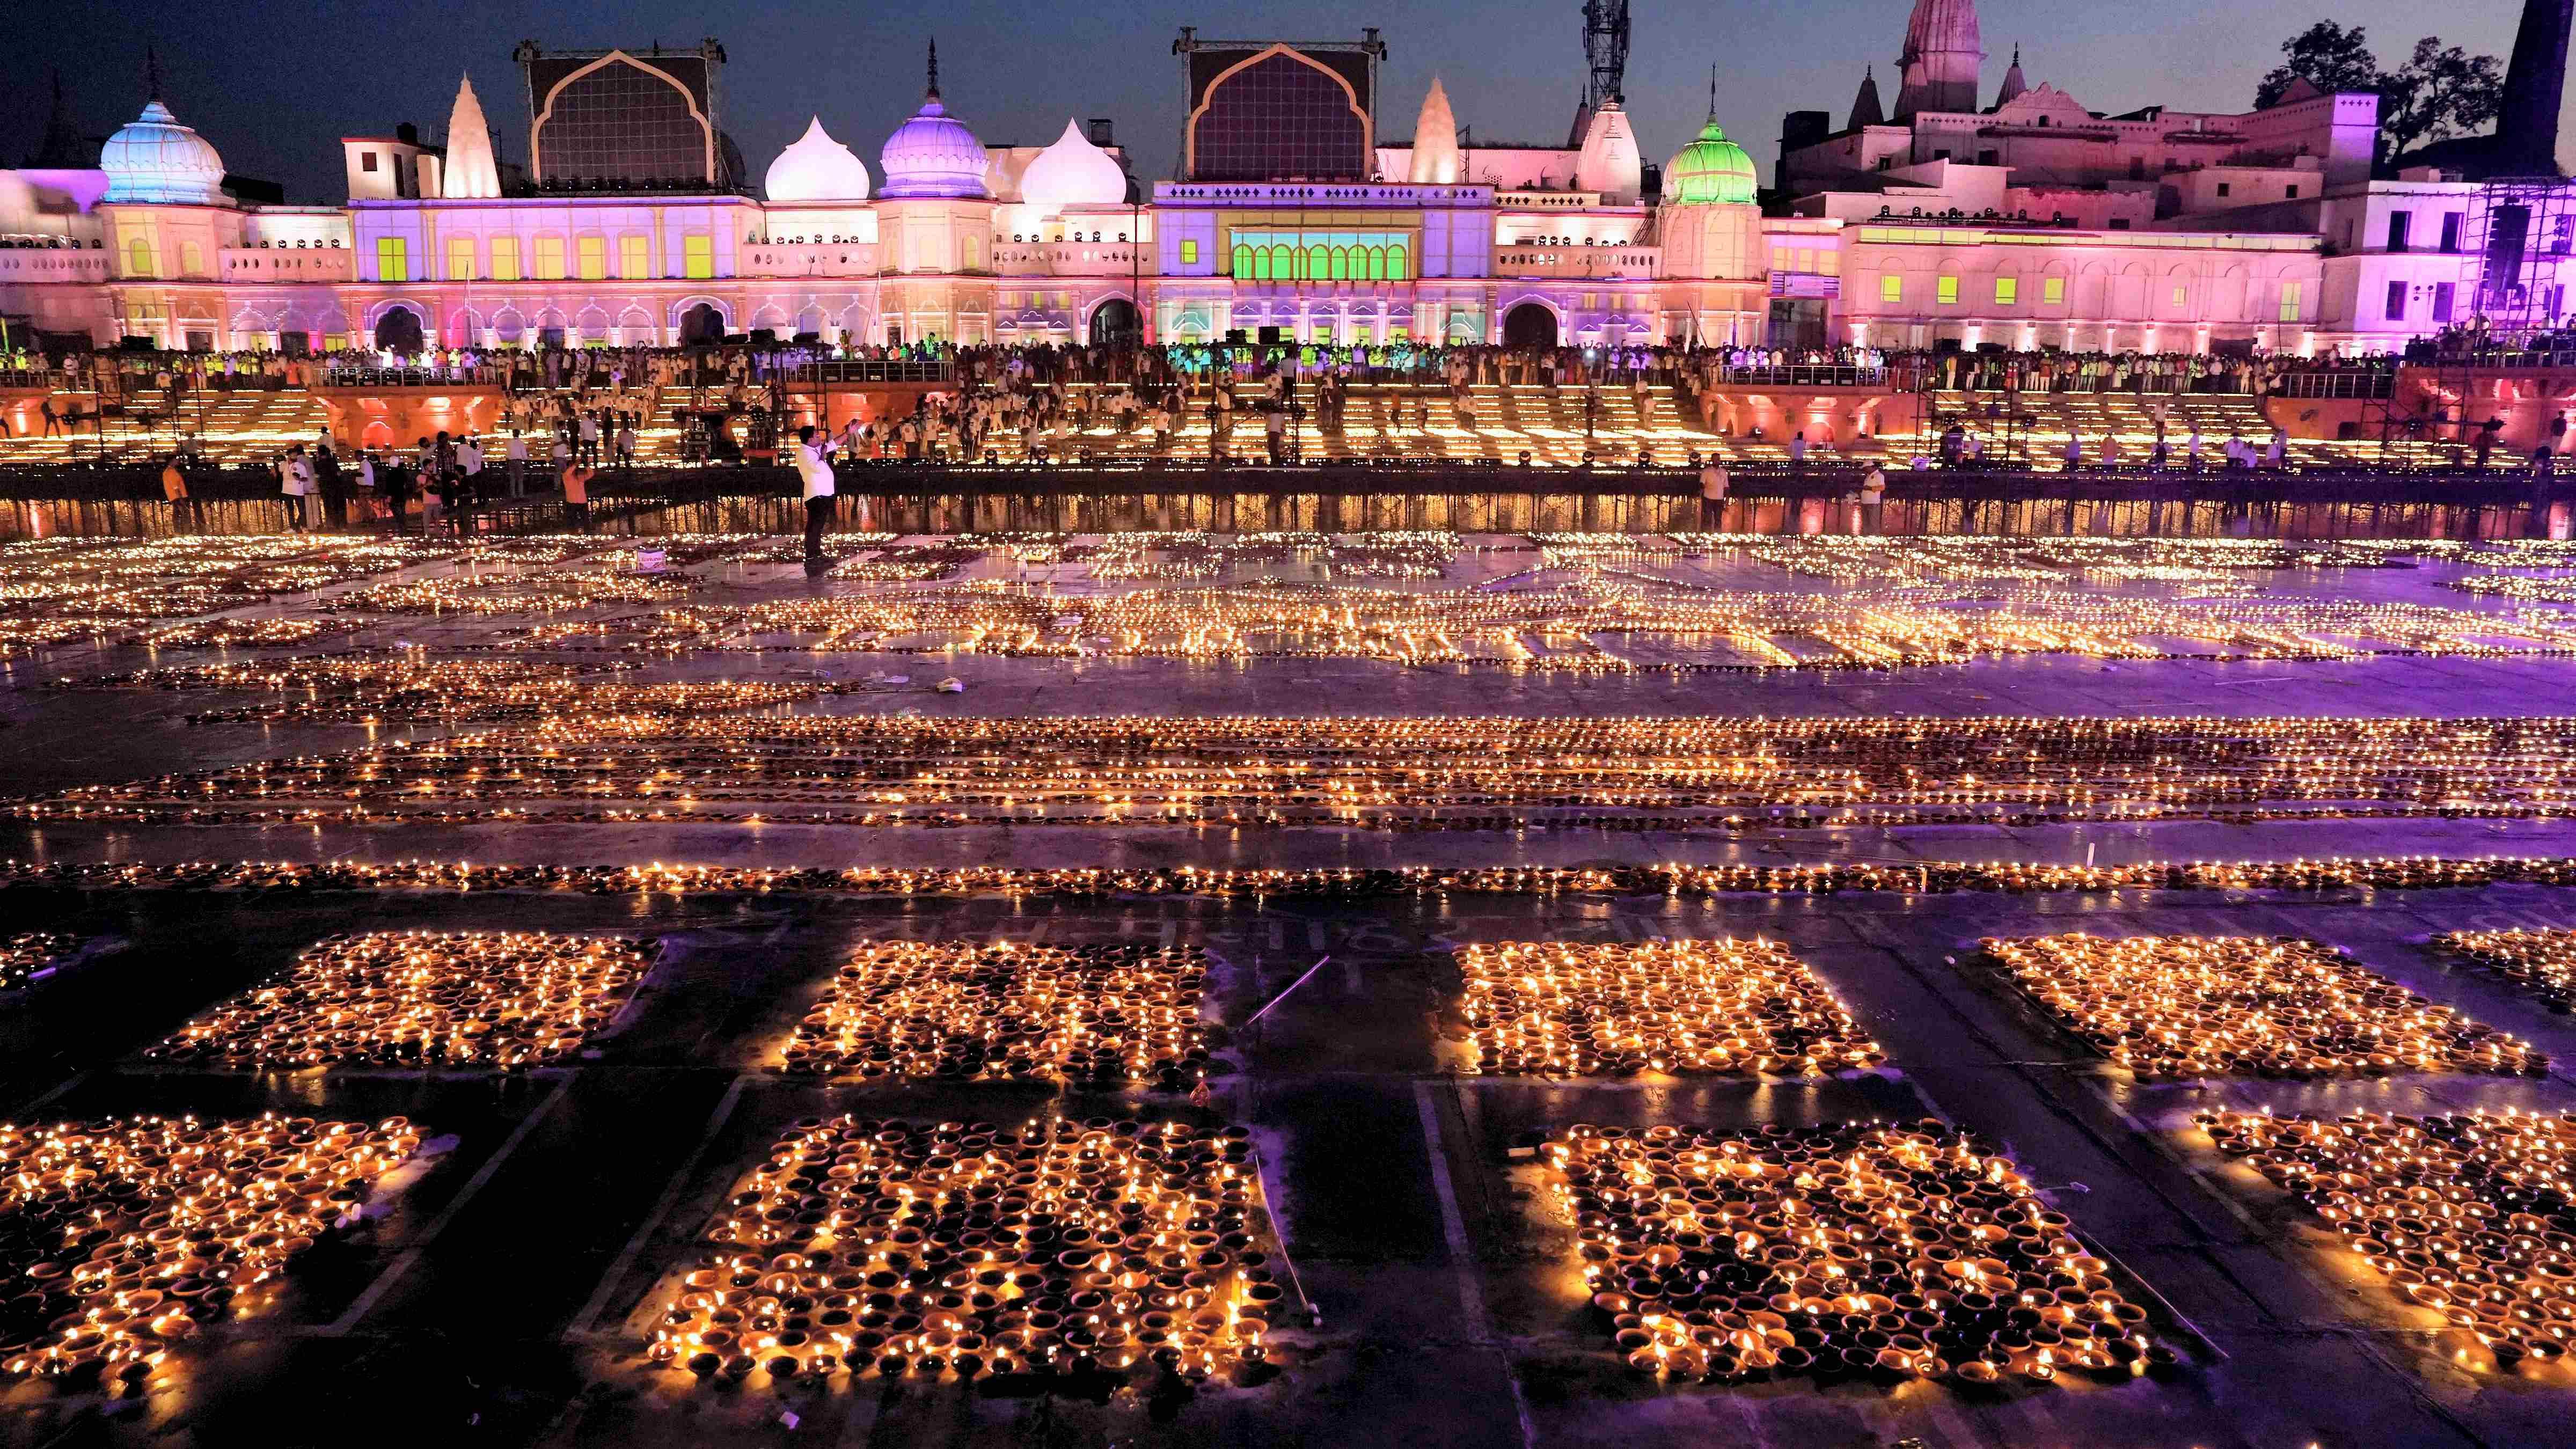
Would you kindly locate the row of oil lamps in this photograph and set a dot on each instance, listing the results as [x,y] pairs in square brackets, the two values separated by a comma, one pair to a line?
[1335,882]
[1859,1249]
[2539,961]
[2465,1214]
[1104,1246]
[2196,1006]
[1104,1014]
[1562,1009]
[1488,772]
[119,1238]
[428,999]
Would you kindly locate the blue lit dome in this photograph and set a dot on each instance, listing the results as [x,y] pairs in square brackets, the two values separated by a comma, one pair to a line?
[154,158]
[933,154]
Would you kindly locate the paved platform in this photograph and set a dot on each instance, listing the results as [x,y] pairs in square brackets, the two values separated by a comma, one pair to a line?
[500,1296]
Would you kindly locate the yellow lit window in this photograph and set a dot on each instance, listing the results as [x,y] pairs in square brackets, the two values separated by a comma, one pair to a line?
[2289,301]
[460,259]
[1189,253]
[505,259]
[192,259]
[1948,291]
[2053,290]
[550,256]
[1831,262]
[393,259]
[1891,287]
[2007,291]
[698,255]
[634,257]
[2181,297]
[594,258]
[138,257]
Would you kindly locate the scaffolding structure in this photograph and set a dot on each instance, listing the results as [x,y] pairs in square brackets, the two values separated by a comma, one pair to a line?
[2524,228]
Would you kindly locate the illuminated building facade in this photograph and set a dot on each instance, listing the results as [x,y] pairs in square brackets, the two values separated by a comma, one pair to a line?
[1291,217]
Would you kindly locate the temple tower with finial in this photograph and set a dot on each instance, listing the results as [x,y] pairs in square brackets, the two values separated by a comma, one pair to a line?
[1867,109]
[1938,69]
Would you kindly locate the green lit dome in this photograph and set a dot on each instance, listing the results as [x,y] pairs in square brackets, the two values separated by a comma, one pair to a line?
[1709,170]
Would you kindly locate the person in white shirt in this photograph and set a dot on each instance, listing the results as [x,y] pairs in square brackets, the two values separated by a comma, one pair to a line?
[1713,483]
[298,487]
[516,452]
[1873,498]
[814,465]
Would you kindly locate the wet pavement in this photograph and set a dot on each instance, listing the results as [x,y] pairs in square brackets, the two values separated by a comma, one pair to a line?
[502,1293]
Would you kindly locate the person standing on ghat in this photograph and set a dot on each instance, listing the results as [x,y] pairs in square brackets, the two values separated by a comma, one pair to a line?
[1713,484]
[576,496]
[814,464]
[1873,499]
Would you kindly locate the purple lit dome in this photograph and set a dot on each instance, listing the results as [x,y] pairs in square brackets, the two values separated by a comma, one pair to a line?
[933,154]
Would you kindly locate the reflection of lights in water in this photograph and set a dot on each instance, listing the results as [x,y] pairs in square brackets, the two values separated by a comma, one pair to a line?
[2463,1213]
[1567,1010]
[1912,1251]
[1061,1246]
[122,1236]
[510,999]
[2195,1006]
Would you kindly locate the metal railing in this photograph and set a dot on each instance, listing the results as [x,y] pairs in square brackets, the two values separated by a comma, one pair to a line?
[874,370]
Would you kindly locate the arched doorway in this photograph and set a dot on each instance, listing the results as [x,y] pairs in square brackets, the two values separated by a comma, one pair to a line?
[1529,325]
[1115,323]
[398,330]
[701,326]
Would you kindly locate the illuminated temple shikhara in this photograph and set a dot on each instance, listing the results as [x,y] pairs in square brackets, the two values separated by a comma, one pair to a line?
[2028,221]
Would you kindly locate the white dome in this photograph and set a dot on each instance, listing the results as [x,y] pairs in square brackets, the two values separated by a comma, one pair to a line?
[1072,172]
[817,168]
[933,154]
[154,158]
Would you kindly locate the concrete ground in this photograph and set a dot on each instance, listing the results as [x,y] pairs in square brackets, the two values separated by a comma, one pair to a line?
[501,1298]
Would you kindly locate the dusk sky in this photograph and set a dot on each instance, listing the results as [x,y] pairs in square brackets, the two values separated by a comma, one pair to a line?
[275,83]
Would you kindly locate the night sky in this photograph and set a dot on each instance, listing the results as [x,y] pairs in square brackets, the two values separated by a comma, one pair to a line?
[275,83]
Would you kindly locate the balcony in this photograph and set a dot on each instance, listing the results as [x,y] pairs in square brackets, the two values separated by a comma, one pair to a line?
[52,264]
[1627,262]
[269,264]
[1072,259]
[808,259]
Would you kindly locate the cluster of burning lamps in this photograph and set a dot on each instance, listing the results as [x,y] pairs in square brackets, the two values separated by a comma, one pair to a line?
[1105,1246]
[2465,1214]
[1421,772]
[552,592]
[1581,624]
[2539,961]
[411,685]
[120,1237]
[1108,1014]
[1570,549]
[2173,1007]
[161,578]
[285,632]
[1858,1249]
[507,1000]
[1926,878]
[1966,558]
[1563,1009]
[27,956]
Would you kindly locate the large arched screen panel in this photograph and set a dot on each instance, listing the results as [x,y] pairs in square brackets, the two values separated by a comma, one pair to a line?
[1276,117]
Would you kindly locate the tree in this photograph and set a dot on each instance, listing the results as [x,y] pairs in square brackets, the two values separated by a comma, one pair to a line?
[2326,56]
[2441,91]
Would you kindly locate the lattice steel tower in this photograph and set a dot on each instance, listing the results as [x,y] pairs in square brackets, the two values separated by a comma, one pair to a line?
[1605,56]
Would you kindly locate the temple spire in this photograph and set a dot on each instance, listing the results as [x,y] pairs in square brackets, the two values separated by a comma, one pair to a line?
[934,67]
[1435,141]
[2013,84]
[151,73]
[1712,93]
[1867,109]
[1943,53]
[471,171]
